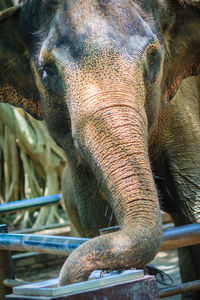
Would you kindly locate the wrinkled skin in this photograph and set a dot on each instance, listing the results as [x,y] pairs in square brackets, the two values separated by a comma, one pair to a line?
[105,76]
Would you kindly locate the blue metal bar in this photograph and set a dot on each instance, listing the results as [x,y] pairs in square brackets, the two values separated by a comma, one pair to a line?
[14,206]
[39,243]
[172,238]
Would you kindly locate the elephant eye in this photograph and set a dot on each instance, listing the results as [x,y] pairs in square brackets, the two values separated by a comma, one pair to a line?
[153,60]
[51,78]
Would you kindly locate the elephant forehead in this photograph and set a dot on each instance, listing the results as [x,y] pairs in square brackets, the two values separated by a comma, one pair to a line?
[117,23]
[93,14]
[109,79]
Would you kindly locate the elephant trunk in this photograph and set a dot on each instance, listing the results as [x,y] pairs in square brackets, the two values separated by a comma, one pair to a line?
[114,139]
[119,157]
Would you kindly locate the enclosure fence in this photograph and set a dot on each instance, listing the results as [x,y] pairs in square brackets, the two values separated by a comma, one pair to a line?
[172,238]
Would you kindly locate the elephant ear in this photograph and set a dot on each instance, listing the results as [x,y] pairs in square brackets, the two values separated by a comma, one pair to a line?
[191,2]
[182,44]
[17,86]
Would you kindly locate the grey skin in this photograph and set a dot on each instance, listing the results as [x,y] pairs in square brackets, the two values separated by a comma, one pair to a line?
[105,76]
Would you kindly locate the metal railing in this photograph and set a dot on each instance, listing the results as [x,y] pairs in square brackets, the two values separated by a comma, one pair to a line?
[172,238]
[34,203]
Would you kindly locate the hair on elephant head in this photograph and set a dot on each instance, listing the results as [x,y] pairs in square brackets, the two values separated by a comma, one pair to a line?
[102,74]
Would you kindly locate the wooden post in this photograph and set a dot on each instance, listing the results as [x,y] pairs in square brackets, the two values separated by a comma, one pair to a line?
[6,267]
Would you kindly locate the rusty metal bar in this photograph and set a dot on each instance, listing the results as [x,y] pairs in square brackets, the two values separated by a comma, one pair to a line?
[53,229]
[6,267]
[166,218]
[34,203]
[181,288]
[172,238]
[181,236]
[10,283]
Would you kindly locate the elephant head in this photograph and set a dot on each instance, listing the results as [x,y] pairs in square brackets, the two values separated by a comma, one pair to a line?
[99,72]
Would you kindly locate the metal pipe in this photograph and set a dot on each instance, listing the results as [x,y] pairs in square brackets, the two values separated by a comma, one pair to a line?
[172,238]
[34,203]
[181,288]
[181,236]
[6,267]
[40,243]
[10,283]
[47,229]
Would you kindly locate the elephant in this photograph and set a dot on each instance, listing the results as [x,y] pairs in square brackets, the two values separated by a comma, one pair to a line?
[117,83]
